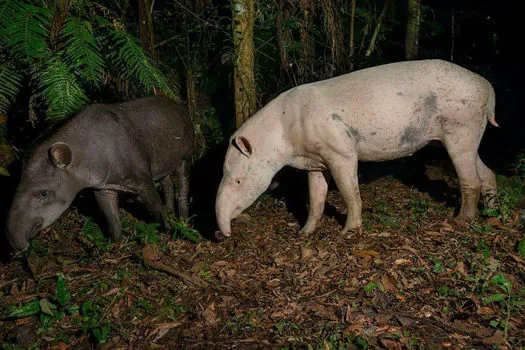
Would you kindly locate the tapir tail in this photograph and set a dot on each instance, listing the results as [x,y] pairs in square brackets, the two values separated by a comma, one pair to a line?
[491,107]
[492,120]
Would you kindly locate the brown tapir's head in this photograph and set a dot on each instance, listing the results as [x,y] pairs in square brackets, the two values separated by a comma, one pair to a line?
[247,173]
[45,192]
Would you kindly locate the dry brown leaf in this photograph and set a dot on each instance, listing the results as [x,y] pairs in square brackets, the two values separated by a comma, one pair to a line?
[365,253]
[402,262]
[209,315]
[496,339]
[461,269]
[400,297]
[389,283]
[390,344]
[494,222]
[306,253]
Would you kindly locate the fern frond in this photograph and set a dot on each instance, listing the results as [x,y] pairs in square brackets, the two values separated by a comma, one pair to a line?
[10,82]
[9,9]
[83,52]
[61,90]
[28,31]
[136,64]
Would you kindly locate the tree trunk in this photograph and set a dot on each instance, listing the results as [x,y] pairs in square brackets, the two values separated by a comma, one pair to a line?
[412,35]
[352,31]
[334,31]
[281,36]
[243,70]
[305,65]
[378,28]
[147,36]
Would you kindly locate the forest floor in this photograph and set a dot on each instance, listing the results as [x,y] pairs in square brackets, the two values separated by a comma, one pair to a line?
[414,279]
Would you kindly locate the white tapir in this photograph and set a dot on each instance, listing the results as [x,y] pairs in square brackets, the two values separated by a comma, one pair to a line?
[375,114]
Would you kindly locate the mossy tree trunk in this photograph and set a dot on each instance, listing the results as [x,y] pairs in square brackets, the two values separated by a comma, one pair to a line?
[412,34]
[243,71]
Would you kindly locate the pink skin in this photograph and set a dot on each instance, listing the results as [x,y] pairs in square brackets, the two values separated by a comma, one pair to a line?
[376,114]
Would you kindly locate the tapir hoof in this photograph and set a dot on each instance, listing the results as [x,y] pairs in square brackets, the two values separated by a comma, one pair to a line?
[351,232]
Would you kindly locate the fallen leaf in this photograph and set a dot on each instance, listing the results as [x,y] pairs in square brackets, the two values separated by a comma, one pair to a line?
[461,269]
[390,344]
[496,339]
[389,283]
[209,315]
[402,262]
[365,253]
[494,222]
[306,253]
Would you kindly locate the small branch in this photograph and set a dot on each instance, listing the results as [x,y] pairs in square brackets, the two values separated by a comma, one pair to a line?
[378,28]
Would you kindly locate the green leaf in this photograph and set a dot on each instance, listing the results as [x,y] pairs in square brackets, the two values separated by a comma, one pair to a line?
[521,247]
[83,50]
[10,82]
[31,308]
[135,64]
[62,293]
[101,334]
[4,172]
[47,307]
[28,31]
[502,282]
[61,89]
[494,298]
[370,287]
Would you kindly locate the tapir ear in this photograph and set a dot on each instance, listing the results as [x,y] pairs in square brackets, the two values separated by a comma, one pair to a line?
[243,145]
[60,155]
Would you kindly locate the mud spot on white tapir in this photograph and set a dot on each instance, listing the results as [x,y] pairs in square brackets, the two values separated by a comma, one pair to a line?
[425,108]
[350,131]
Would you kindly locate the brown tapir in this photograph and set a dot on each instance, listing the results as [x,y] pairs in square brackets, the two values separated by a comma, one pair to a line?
[375,114]
[110,148]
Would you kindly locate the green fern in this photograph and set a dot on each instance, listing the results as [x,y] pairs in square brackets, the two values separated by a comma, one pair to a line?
[136,64]
[83,50]
[28,31]
[9,85]
[61,89]
[88,51]
[8,10]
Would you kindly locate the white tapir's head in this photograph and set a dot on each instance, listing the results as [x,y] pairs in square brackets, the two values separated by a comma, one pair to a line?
[248,171]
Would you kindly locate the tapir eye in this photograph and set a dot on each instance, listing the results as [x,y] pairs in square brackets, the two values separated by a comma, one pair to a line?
[238,182]
[43,195]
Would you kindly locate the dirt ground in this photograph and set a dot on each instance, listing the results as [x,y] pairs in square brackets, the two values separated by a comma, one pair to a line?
[414,279]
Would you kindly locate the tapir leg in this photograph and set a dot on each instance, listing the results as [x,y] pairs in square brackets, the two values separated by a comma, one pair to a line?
[183,176]
[463,150]
[108,202]
[317,191]
[489,190]
[151,199]
[344,172]
[167,190]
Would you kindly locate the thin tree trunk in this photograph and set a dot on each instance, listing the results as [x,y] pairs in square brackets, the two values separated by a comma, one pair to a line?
[281,37]
[352,30]
[412,34]
[352,27]
[243,71]
[147,36]
[334,30]
[377,29]
[305,67]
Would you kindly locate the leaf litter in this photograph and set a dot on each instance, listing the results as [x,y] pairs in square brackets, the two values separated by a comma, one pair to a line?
[413,279]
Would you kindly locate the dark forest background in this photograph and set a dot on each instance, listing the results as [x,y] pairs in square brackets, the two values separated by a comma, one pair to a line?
[58,55]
